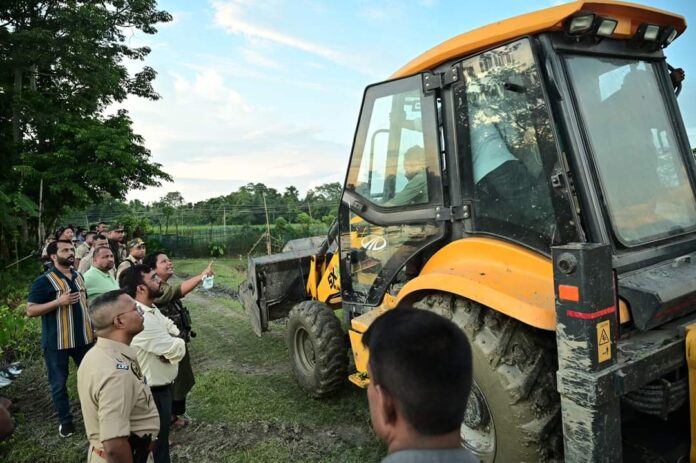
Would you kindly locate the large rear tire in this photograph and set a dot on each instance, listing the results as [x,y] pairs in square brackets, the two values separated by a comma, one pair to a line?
[317,346]
[514,412]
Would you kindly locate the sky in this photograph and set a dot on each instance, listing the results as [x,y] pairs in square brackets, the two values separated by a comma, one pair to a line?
[269,90]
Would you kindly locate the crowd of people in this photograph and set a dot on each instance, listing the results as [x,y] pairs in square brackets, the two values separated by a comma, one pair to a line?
[113,309]
[110,307]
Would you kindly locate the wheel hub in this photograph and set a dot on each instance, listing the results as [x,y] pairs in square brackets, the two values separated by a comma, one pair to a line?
[477,431]
[476,415]
[304,350]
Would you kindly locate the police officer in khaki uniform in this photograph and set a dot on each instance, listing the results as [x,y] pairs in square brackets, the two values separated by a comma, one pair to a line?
[136,252]
[121,419]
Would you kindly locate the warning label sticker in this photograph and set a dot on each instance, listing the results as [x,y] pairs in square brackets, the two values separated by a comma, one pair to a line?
[603,341]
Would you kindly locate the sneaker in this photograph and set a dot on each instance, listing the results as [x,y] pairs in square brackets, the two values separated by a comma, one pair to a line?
[4,381]
[66,430]
[15,368]
[5,372]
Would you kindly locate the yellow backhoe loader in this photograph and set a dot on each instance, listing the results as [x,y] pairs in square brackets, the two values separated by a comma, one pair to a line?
[532,180]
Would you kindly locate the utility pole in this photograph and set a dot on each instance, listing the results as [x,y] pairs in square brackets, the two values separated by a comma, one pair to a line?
[40,227]
[268,227]
[309,209]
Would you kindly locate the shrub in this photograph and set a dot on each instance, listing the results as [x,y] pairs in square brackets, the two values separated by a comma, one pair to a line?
[19,335]
[216,250]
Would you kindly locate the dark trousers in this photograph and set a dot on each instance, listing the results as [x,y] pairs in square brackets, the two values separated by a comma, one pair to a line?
[58,367]
[182,384]
[163,402]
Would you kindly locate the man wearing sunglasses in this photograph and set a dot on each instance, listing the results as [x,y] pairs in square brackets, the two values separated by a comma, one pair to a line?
[121,419]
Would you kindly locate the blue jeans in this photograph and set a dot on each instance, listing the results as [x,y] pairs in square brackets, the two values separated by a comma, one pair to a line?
[58,368]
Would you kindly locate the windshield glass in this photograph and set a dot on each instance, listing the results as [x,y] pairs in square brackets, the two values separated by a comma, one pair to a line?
[642,173]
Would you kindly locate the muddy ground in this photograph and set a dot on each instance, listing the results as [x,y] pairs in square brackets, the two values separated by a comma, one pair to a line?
[246,404]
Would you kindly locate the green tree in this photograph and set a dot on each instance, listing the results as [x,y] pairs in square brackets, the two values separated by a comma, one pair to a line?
[61,67]
[323,200]
[168,205]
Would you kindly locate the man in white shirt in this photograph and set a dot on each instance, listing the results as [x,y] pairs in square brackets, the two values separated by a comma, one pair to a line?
[158,347]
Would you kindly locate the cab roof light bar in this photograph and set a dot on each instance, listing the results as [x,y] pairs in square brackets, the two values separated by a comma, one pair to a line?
[584,24]
[652,35]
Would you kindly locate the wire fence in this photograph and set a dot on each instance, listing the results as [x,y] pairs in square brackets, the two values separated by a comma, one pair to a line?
[231,241]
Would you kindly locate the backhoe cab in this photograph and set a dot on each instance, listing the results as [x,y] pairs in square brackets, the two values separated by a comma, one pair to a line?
[531,180]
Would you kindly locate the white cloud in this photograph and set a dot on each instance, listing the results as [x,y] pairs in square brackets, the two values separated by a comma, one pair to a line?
[229,16]
[212,140]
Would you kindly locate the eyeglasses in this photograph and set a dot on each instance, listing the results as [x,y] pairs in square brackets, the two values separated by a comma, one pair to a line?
[136,308]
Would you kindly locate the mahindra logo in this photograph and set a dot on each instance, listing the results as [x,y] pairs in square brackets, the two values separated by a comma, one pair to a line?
[373,243]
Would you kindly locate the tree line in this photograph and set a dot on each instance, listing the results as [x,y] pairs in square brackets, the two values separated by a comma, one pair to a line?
[62,66]
[251,204]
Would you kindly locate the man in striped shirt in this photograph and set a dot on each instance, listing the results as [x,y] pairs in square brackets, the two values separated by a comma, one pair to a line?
[59,297]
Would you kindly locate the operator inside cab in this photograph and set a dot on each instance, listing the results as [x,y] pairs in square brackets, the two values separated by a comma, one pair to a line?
[415,171]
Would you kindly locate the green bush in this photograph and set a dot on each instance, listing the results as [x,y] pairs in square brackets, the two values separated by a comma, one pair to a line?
[19,335]
[216,249]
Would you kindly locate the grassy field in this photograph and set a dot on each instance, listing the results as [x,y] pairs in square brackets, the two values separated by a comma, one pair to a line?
[228,272]
[246,404]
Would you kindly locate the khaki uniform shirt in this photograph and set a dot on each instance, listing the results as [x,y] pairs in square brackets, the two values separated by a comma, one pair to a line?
[115,400]
[169,293]
[81,251]
[129,262]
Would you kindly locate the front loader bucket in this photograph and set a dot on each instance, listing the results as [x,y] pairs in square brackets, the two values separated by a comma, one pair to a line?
[274,285]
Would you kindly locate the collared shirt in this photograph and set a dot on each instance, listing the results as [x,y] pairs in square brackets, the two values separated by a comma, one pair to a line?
[158,339]
[99,282]
[67,326]
[127,263]
[488,148]
[431,456]
[81,251]
[115,400]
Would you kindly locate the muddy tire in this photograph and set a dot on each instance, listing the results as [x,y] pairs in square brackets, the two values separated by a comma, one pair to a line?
[514,411]
[317,347]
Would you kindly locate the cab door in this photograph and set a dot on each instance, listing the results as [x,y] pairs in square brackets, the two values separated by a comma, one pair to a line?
[392,203]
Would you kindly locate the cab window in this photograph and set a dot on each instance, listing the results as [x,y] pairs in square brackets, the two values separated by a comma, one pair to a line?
[509,148]
[395,163]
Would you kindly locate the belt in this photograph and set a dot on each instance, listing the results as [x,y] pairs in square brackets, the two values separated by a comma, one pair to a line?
[161,388]
[102,454]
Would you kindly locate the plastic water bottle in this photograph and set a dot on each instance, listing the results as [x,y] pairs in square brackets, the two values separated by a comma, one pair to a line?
[208,282]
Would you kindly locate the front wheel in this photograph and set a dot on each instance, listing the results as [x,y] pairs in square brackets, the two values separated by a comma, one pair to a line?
[317,347]
[513,413]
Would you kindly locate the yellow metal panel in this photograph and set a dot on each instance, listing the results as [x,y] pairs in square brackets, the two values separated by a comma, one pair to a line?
[629,16]
[503,276]
[506,277]
[329,288]
[359,379]
[361,323]
[691,362]
[624,314]
[358,326]
[360,353]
